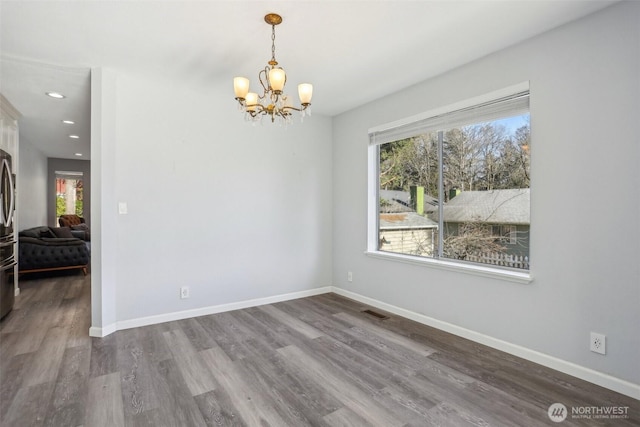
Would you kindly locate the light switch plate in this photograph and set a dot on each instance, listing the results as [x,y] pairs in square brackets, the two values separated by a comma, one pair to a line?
[122,208]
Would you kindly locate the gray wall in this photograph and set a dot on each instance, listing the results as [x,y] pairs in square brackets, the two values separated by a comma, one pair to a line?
[237,212]
[32,186]
[585,104]
[54,165]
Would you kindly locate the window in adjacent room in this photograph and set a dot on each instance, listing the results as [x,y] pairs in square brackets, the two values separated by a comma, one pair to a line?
[454,185]
[69,193]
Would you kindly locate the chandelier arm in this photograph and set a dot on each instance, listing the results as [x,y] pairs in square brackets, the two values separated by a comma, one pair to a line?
[262,109]
[259,109]
[265,87]
[289,107]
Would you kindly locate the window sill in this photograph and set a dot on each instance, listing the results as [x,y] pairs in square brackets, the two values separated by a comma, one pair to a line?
[477,270]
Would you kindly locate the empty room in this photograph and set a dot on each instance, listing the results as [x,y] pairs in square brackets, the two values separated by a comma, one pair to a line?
[320,213]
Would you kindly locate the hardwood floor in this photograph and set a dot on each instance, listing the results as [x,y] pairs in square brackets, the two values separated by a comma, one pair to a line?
[316,361]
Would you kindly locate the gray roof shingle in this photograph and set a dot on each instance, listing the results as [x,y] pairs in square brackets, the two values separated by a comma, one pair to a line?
[492,206]
[398,201]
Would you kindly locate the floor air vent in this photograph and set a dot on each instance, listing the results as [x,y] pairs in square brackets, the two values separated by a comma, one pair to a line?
[375,314]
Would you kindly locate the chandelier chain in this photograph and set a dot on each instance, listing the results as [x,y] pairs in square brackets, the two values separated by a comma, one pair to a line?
[273,44]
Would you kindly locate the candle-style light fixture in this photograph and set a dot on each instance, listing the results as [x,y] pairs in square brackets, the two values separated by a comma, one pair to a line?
[273,102]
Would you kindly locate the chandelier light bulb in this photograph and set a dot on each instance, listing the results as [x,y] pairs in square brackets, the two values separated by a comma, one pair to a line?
[252,101]
[277,78]
[305,91]
[241,87]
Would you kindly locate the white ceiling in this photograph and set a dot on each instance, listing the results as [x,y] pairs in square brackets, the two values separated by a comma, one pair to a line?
[352,51]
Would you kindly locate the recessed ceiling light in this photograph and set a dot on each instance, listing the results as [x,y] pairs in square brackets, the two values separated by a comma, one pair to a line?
[56,95]
[74,136]
[68,122]
[79,154]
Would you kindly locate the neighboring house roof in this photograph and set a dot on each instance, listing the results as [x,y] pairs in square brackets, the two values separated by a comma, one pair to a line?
[399,201]
[405,220]
[492,206]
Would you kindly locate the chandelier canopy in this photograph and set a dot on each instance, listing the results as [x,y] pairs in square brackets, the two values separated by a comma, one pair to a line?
[273,102]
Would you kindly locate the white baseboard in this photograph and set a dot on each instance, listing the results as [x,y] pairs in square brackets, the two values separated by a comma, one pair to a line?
[587,374]
[203,311]
[102,332]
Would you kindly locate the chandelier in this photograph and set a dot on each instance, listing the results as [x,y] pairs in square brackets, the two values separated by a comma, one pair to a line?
[273,102]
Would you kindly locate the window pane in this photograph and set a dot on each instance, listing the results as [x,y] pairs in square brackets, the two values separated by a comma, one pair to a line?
[69,195]
[408,191]
[486,192]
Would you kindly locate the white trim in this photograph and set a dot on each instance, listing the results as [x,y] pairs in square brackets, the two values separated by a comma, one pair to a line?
[94,331]
[599,378]
[9,109]
[373,199]
[203,311]
[407,227]
[476,270]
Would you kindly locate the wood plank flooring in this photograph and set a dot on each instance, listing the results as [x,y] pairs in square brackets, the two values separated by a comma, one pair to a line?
[316,361]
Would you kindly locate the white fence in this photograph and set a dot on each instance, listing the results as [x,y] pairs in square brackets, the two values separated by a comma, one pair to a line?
[505,260]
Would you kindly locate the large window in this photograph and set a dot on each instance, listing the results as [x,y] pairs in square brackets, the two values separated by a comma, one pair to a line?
[454,185]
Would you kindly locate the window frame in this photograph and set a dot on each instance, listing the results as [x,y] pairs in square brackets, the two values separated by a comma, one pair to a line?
[373,170]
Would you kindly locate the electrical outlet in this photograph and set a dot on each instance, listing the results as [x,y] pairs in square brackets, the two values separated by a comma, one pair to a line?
[184,292]
[350,276]
[598,343]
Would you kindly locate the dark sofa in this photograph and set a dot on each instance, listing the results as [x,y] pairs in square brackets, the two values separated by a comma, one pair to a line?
[51,248]
[77,224]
